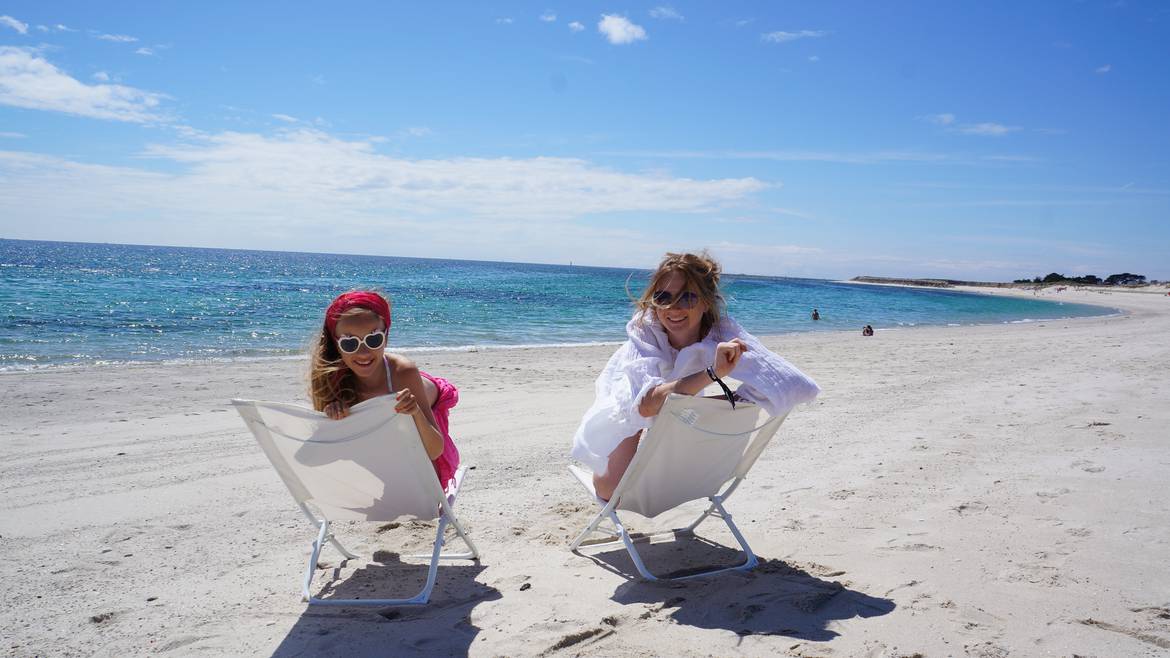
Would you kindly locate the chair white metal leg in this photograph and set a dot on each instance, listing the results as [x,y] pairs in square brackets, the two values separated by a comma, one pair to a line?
[750,559]
[328,536]
[715,509]
[418,599]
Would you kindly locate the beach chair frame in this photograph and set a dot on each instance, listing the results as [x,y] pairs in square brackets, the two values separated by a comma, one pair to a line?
[681,408]
[444,501]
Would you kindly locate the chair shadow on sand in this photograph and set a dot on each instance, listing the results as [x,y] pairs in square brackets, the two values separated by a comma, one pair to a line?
[441,627]
[774,598]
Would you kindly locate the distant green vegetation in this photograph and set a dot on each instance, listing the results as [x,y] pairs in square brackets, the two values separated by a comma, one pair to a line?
[1123,279]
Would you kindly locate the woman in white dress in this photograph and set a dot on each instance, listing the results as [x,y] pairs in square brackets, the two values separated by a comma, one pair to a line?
[679,341]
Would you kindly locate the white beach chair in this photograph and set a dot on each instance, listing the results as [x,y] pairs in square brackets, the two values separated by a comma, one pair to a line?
[695,447]
[369,466]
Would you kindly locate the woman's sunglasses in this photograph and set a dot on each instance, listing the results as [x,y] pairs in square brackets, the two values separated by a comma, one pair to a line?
[684,300]
[372,340]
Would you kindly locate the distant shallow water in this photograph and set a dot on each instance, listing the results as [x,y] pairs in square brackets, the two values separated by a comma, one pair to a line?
[78,303]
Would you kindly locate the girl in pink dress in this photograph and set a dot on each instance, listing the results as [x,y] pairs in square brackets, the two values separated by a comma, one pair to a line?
[350,364]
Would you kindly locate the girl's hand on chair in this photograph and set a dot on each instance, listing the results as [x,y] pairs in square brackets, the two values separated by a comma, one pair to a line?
[406,403]
[727,356]
[336,410]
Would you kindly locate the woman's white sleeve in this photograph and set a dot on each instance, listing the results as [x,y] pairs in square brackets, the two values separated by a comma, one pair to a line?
[627,378]
[770,380]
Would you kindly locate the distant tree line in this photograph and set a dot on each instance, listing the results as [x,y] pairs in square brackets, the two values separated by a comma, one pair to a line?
[1123,279]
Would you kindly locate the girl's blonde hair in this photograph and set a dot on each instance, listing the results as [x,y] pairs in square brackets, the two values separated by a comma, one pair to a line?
[701,273]
[330,380]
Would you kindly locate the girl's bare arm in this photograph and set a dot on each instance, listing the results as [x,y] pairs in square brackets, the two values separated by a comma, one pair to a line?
[411,398]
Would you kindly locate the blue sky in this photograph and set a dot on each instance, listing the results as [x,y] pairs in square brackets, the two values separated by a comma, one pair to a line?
[977,140]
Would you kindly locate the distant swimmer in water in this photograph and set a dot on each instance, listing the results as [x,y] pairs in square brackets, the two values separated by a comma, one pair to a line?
[816,315]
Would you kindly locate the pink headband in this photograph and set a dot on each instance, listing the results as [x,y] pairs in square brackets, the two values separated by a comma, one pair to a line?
[370,301]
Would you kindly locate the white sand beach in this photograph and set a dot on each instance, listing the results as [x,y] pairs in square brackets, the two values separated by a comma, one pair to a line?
[962,491]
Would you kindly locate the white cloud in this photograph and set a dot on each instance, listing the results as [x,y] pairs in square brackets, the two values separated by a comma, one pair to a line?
[986,128]
[1020,159]
[744,22]
[814,58]
[1103,69]
[666,13]
[102,76]
[11,22]
[280,191]
[286,118]
[503,21]
[117,38]
[782,37]
[416,131]
[576,26]
[757,249]
[27,80]
[738,220]
[10,135]
[835,157]
[55,28]
[317,79]
[144,51]
[620,30]
[862,157]
[548,17]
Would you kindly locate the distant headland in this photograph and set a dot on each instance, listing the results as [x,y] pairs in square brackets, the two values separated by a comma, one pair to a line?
[1125,279]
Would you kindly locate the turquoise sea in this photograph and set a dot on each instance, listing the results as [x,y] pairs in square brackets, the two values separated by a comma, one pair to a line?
[79,303]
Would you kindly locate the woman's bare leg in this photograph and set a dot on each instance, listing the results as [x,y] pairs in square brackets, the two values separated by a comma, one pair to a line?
[619,461]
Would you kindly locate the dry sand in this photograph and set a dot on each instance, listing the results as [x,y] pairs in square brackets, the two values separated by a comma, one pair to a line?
[982,491]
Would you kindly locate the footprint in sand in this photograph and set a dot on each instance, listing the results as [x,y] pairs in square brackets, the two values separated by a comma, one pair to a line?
[1056,493]
[1036,574]
[590,636]
[1153,626]
[971,507]
[986,650]
[565,508]
[182,641]
[1087,466]
[916,547]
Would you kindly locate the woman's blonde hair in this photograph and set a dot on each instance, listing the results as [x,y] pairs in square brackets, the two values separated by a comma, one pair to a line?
[701,273]
[330,379]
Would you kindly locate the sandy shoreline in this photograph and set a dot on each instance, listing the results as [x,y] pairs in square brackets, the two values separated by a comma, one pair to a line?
[987,491]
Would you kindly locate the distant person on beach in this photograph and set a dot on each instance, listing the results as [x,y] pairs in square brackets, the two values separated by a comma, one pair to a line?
[867,330]
[679,341]
[816,315]
[350,364]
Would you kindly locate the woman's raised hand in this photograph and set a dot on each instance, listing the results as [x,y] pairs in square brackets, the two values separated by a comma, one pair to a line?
[336,410]
[406,403]
[727,356]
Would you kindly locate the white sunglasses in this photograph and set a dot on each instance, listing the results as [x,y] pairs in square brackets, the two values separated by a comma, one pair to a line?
[372,340]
